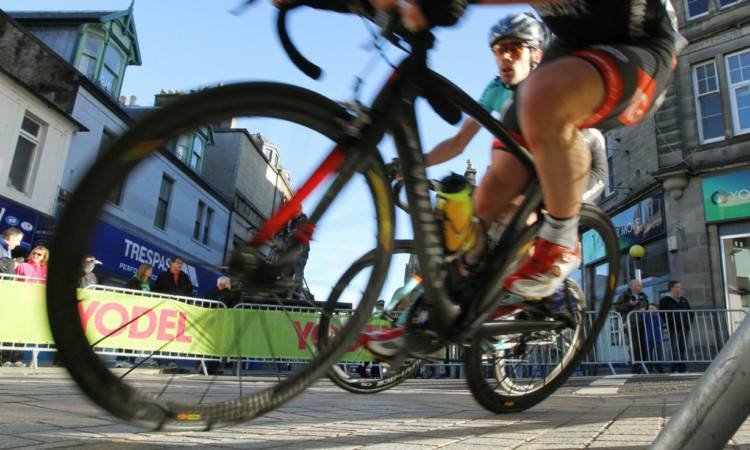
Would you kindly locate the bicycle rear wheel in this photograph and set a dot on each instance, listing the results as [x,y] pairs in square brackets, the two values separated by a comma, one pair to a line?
[352,279]
[515,372]
[355,201]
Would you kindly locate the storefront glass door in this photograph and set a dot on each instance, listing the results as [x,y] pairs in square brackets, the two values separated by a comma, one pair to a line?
[736,261]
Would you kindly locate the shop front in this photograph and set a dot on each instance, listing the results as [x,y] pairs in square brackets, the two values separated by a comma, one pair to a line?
[642,224]
[726,199]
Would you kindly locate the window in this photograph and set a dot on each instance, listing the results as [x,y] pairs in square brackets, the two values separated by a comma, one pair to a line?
[203,216]
[196,155]
[725,3]
[708,103]
[198,219]
[110,72]
[107,139]
[23,158]
[165,192]
[207,225]
[90,55]
[738,75]
[102,63]
[696,8]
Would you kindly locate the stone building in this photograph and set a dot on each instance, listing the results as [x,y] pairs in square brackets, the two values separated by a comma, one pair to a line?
[679,182]
[74,63]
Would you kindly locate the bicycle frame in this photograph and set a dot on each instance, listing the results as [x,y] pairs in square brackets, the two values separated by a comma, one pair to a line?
[393,112]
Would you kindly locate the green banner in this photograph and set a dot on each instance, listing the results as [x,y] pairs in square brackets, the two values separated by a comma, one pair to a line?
[23,313]
[152,324]
[727,196]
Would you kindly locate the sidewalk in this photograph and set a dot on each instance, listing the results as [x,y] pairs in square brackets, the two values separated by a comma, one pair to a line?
[42,408]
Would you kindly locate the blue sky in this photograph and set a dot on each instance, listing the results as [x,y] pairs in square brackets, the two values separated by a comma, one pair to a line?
[190,44]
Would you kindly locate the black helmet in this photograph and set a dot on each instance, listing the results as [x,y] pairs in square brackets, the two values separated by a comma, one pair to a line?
[519,26]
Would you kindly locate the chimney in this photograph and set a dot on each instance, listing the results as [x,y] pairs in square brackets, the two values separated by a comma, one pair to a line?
[122,100]
[132,100]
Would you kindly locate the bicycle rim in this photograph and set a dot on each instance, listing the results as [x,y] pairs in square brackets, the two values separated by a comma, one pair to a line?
[169,401]
[513,373]
[341,373]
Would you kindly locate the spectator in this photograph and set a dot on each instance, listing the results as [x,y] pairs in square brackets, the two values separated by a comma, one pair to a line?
[174,281]
[678,324]
[11,238]
[86,274]
[36,267]
[634,300]
[223,292]
[141,281]
[652,323]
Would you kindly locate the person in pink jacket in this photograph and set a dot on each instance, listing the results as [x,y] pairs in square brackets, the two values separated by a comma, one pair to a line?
[36,266]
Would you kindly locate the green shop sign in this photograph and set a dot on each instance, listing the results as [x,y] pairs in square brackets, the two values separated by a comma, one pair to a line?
[727,196]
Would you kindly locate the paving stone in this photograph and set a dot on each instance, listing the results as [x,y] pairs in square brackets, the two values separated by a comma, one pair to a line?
[45,410]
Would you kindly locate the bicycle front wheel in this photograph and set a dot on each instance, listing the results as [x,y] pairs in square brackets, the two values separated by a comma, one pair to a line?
[352,280]
[512,373]
[269,336]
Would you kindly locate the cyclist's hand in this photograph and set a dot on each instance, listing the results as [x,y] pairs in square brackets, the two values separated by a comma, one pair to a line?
[394,170]
[411,13]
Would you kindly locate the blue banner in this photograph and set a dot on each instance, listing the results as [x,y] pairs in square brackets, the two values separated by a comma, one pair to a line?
[36,228]
[123,253]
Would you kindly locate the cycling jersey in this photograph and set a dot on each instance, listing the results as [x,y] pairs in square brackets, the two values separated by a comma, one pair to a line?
[495,96]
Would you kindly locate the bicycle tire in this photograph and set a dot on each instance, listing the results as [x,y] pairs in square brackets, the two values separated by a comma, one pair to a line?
[519,380]
[136,403]
[339,375]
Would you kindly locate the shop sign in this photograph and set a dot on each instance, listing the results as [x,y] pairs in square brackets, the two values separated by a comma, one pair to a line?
[727,196]
[35,227]
[638,223]
[123,253]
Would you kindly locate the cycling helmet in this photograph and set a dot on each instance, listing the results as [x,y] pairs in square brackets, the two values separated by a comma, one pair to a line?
[520,26]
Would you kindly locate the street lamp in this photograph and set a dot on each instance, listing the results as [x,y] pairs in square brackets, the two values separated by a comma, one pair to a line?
[636,252]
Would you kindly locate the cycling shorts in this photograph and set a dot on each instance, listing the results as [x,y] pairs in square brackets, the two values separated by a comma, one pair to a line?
[636,78]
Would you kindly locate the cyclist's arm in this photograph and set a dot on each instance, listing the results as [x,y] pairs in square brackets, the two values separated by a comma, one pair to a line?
[452,147]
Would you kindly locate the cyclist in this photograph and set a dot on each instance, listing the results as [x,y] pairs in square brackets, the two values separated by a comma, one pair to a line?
[608,65]
[517,42]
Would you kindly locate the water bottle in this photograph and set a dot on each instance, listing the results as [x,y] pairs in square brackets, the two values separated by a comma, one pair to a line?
[455,208]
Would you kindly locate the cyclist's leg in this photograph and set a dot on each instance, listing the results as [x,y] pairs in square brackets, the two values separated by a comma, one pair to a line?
[505,180]
[561,155]
[494,198]
[590,87]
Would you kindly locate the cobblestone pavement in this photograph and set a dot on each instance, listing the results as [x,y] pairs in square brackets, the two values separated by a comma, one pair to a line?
[42,408]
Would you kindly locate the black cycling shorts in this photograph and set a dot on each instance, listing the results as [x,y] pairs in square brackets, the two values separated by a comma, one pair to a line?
[636,79]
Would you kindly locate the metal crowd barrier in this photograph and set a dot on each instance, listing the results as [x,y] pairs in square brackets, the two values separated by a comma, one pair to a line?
[702,332]
[617,345]
[285,364]
[35,349]
[161,354]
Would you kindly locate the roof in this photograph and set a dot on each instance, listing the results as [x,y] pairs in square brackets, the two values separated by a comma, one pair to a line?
[62,16]
[83,17]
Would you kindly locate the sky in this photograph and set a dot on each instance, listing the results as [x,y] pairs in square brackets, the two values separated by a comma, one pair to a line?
[191,44]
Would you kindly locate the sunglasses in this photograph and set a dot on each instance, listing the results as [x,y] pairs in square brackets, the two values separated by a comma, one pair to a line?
[513,48]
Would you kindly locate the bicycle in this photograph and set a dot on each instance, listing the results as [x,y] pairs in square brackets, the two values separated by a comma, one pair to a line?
[508,356]
[354,166]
